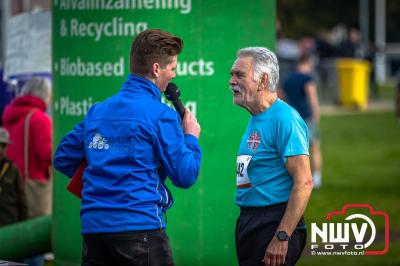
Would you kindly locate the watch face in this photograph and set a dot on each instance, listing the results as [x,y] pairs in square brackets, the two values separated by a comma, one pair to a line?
[282,236]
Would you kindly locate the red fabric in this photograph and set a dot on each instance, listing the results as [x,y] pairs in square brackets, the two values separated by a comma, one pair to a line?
[76,184]
[40,135]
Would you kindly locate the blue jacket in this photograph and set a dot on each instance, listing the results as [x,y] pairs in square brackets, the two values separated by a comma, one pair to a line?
[132,142]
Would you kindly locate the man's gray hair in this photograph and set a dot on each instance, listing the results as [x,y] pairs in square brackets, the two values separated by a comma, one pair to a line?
[264,61]
[39,87]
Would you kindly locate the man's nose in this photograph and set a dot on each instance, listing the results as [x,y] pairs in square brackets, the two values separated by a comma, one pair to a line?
[232,81]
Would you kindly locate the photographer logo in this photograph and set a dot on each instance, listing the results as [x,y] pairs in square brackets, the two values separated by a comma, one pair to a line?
[347,232]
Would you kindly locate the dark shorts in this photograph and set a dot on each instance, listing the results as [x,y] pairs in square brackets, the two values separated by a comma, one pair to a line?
[128,248]
[255,228]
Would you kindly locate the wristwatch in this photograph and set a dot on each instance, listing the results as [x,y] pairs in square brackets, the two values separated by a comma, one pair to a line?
[282,236]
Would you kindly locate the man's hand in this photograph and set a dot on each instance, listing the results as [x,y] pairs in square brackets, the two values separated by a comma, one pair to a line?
[190,124]
[276,252]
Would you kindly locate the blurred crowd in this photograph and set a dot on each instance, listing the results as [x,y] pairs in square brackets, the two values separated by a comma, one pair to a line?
[340,41]
[325,48]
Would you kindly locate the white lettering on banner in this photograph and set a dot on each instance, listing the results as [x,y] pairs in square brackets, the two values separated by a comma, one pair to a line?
[65,106]
[184,6]
[195,68]
[78,67]
[68,107]
[192,106]
[115,28]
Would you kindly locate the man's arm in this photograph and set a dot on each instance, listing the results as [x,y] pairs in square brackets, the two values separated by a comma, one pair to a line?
[70,152]
[180,153]
[299,168]
[312,96]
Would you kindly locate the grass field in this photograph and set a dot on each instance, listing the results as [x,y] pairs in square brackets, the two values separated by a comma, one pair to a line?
[361,165]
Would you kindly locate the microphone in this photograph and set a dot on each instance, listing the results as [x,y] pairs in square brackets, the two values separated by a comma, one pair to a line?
[172,94]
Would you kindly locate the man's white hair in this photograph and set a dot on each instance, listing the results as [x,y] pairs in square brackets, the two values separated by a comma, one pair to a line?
[39,87]
[264,61]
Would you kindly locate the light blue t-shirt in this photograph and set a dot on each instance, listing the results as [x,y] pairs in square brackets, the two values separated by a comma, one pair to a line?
[270,137]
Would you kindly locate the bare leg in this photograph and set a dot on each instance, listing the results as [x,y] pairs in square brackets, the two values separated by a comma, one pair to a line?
[398,104]
[316,160]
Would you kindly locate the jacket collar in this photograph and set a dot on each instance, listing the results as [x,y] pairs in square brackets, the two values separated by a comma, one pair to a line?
[141,85]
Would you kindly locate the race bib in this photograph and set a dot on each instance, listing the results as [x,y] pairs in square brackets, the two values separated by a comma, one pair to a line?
[242,178]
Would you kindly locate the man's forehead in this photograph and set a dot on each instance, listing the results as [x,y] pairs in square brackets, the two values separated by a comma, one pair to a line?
[242,64]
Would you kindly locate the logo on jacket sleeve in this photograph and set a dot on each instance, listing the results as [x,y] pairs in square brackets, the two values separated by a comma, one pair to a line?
[99,142]
[254,141]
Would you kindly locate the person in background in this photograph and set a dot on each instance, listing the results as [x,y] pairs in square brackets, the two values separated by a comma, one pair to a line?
[397,101]
[351,46]
[273,176]
[132,142]
[300,91]
[13,206]
[31,146]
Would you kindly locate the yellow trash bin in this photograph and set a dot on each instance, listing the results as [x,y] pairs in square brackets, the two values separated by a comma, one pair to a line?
[353,75]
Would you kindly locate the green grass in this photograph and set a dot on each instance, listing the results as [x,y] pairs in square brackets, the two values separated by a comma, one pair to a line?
[384,91]
[361,155]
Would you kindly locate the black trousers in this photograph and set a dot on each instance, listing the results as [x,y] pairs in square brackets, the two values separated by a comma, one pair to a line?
[147,248]
[255,228]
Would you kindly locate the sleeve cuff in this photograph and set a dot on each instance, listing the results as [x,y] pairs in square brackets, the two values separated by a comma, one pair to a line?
[191,140]
[295,153]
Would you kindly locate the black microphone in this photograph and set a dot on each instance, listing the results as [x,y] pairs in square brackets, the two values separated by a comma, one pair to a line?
[172,94]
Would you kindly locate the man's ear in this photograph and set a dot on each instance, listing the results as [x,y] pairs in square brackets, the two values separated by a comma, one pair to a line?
[263,82]
[155,69]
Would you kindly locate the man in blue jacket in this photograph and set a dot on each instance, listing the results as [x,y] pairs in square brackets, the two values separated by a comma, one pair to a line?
[132,142]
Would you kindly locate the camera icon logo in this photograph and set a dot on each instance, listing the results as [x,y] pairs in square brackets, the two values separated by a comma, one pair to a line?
[350,234]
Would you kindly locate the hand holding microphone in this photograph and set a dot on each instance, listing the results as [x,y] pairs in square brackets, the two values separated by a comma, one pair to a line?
[189,121]
[190,124]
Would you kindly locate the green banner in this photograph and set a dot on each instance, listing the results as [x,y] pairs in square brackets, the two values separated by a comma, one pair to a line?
[91,44]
